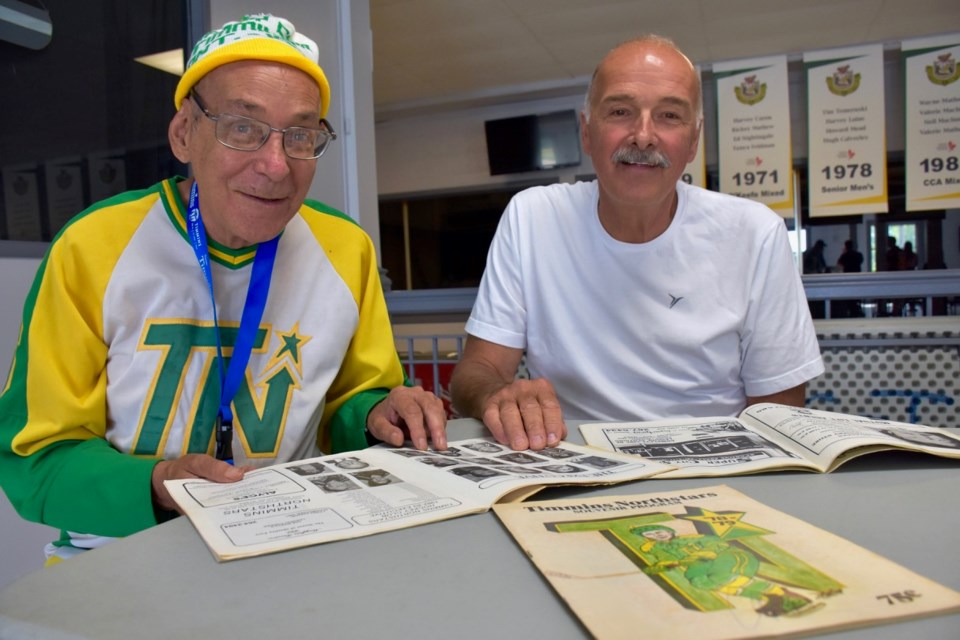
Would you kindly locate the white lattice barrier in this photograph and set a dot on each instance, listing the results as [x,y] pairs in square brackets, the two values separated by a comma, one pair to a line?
[908,372]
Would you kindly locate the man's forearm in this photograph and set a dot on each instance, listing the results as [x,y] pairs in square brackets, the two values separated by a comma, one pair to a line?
[472,385]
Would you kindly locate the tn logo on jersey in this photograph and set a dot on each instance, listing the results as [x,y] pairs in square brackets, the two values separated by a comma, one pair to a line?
[259,408]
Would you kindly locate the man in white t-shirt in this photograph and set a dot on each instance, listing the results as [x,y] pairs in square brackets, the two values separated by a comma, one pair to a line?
[636,296]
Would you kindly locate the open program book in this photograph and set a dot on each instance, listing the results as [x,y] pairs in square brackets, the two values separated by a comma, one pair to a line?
[381,489]
[766,437]
[710,564]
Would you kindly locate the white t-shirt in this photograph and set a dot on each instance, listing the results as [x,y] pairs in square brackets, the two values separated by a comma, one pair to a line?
[688,324]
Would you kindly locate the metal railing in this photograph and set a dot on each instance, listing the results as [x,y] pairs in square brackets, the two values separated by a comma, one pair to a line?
[888,293]
[929,292]
[430,358]
[433,350]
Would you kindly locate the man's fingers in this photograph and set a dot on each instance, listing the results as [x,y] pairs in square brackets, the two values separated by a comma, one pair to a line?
[525,414]
[494,423]
[553,424]
[212,469]
[425,418]
[384,430]
[515,433]
[532,414]
[410,414]
[419,412]
[190,466]
[436,418]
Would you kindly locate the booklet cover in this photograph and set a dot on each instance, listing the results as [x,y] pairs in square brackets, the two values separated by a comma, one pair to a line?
[711,564]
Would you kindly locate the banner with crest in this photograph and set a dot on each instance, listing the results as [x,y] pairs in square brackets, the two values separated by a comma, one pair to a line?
[696,171]
[753,131]
[847,170]
[932,114]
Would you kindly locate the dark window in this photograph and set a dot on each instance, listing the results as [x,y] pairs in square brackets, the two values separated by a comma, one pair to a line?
[440,241]
[533,143]
[83,120]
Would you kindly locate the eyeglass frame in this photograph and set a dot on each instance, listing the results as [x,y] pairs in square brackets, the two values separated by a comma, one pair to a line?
[325,128]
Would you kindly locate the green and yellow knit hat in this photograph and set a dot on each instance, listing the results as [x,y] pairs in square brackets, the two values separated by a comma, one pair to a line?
[254,37]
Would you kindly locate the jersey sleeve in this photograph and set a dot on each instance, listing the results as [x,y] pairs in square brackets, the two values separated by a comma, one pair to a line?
[56,467]
[371,365]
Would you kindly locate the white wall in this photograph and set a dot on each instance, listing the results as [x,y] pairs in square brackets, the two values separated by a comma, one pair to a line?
[445,147]
[448,150]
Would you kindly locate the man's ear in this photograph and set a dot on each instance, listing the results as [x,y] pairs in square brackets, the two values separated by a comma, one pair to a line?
[584,133]
[695,143]
[178,133]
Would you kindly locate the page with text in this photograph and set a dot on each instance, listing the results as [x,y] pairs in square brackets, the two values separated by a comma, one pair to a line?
[380,489]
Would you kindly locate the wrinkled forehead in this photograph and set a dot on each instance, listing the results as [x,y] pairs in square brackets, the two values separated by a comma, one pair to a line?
[646,59]
[235,77]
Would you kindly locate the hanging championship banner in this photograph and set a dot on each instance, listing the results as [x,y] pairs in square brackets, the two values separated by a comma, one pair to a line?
[846,124]
[932,122]
[753,131]
[696,171]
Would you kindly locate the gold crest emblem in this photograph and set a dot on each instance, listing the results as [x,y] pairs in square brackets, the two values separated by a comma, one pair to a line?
[944,70]
[751,91]
[844,81]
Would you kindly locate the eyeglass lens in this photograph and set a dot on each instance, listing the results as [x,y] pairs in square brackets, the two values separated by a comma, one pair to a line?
[247,134]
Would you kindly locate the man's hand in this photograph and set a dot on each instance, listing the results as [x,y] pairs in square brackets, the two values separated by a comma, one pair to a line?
[194,465]
[522,414]
[525,414]
[409,413]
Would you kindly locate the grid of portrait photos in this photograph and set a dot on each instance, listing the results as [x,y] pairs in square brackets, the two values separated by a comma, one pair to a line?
[345,473]
[481,460]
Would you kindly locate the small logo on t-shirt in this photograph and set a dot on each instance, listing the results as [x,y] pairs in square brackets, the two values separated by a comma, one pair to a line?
[674,300]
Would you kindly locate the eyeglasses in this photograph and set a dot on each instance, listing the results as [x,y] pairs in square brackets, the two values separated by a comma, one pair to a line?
[246,134]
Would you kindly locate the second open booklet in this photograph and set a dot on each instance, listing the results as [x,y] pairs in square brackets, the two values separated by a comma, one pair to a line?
[766,437]
[381,489]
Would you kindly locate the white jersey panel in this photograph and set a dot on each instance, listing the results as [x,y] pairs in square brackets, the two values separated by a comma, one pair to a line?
[157,284]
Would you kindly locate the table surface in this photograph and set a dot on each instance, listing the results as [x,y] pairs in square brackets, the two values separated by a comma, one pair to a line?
[461,578]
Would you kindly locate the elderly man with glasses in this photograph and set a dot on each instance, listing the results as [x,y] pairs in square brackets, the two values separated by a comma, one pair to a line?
[205,326]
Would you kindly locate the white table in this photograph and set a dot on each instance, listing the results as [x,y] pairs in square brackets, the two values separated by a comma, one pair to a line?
[462,578]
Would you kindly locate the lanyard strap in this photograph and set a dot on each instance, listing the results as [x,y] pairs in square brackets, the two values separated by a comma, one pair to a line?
[253,307]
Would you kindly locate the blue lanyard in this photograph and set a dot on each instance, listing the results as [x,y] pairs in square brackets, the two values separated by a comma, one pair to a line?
[253,308]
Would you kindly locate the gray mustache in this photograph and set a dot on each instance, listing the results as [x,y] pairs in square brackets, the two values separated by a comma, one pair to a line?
[633,155]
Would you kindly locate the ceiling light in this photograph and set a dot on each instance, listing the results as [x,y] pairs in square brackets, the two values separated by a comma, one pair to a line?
[169,61]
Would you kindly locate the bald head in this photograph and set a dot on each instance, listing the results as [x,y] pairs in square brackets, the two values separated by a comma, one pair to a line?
[648,49]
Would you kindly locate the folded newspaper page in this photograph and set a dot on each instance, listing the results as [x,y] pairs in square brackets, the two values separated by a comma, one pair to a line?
[381,489]
[711,564]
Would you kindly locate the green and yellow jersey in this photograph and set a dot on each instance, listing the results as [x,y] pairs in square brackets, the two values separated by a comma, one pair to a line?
[116,364]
